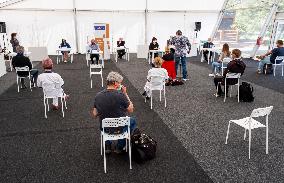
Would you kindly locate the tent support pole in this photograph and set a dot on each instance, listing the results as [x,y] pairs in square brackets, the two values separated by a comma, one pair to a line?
[76,26]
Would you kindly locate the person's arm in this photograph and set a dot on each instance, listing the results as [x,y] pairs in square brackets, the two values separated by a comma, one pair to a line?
[98,48]
[130,107]
[150,46]
[268,53]
[13,62]
[95,113]
[39,82]
[61,81]
[157,46]
[68,45]
[29,63]
[188,45]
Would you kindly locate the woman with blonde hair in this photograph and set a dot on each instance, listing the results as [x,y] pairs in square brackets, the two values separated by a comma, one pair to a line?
[155,71]
[218,64]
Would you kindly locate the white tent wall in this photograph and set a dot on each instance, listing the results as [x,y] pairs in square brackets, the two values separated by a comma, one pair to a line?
[111,4]
[40,28]
[128,25]
[42,4]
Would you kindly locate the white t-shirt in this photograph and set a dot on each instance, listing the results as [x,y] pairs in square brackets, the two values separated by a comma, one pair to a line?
[51,83]
[158,72]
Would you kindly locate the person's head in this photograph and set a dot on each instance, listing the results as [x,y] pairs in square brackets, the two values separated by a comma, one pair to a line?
[120,39]
[154,40]
[279,43]
[47,64]
[172,50]
[13,35]
[226,48]
[114,80]
[179,33]
[63,41]
[158,61]
[209,39]
[20,50]
[236,53]
[93,41]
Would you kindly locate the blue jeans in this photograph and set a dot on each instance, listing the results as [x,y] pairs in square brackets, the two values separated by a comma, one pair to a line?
[183,64]
[122,142]
[261,63]
[217,65]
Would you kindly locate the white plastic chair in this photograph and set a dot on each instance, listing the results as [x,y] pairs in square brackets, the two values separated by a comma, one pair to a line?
[97,67]
[249,123]
[23,69]
[125,56]
[88,54]
[280,64]
[157,83]
[115,123]
[232,76]
[224,63]
[51,91]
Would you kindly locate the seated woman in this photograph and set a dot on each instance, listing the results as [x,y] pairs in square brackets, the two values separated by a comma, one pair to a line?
[94,47]
[51,82]
[235,66]
[120,43]
[156,71]
[64,44]
[169,63]
[154,46]
[218,64]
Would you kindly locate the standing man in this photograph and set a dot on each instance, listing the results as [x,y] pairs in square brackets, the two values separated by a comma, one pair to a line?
[181,43]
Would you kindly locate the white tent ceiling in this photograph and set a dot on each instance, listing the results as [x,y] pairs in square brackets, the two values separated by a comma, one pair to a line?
[45,22]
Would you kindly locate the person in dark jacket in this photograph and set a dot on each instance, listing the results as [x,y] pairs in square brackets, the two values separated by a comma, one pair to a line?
[120,43]
[21,61]
[154,46]
[65,53]
[14,41]
[208,44]
[235,66]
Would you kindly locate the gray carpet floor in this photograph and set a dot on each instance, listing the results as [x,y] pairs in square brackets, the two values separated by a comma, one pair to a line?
[199,120]
[35,149]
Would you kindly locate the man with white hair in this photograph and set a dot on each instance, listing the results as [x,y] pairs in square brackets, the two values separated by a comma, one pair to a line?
[114,102]
[22,61]
[51,82]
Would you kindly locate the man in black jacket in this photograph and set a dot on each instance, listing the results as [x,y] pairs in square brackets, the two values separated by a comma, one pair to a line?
[21,61]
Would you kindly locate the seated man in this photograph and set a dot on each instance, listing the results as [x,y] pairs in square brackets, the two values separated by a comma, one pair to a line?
[114,102]
[64,44]
[120,43]
[266,59]
[21,61]
[235,66]
[208,44]
[155,71]
[51,82]
[94,47]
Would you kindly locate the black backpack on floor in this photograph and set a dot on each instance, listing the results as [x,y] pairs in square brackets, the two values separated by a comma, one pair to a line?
[143,147]
[246,92]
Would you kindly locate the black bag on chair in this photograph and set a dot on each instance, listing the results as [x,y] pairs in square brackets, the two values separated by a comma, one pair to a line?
[246,92]
[143,147]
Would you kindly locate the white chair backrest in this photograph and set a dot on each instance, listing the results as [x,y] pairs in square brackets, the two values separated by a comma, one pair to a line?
[96,66]
[157,82]
[261,112]
[227,60]
[233,75]
[280,58]
[22,69]
[52,89]
[116,122]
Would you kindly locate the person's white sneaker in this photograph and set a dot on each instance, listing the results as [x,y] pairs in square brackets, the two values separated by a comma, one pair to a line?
[184,79]
[218,74]
[211,75]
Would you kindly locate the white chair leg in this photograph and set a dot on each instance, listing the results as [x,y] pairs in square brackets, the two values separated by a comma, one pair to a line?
[129,147]
[30,84]
[104,155]
[47,104]
[151,99]
[274,70]
[160,95]
[165,97]
[126,144]
[225,90]
[249,142]
[62,106]
[11,67]
[18,84]
[101,145]
[231,88]
[44,103]
[91,83]
[266,139]
[227,136]
[245,135]
[102,80]
[282,67]
[239,90]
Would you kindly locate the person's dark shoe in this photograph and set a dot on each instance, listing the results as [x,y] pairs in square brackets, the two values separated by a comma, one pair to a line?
[108,148]
[23,87]
[144,93]
[147,98]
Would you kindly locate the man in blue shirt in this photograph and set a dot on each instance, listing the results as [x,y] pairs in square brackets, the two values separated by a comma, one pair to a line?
[266,59]
[94,50]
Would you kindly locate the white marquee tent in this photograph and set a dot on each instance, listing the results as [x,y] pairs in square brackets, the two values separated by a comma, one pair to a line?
[45,22]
